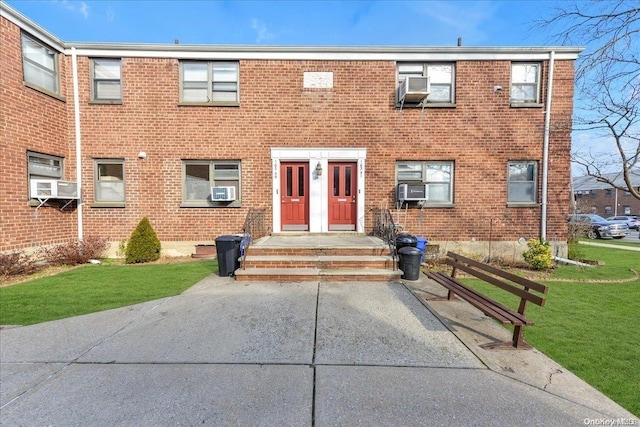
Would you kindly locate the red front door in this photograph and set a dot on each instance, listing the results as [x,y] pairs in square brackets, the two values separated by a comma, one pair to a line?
[342,196]
[294,189]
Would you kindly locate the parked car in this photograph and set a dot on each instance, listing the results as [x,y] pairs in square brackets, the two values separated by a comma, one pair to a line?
[631,221]
[599,228]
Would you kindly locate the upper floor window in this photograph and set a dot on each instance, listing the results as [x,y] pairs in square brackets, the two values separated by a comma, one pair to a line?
[200,176]
[40,65]
[106,84]
[525,83]
[523,176]
[437,175]
[607,210]
[109,181]
[593,193]
[441,79]
[209,82]
[44,166]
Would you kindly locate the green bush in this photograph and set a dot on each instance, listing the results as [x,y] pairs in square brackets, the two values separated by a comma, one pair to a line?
[143,245]
[538,256]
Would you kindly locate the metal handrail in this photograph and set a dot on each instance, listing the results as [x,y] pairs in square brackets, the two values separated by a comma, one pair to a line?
[253,229]
[385,228]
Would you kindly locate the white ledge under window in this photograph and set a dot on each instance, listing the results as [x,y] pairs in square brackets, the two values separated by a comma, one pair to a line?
[526,105]
[523,205]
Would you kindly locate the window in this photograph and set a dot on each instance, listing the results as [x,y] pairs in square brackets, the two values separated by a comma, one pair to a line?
[608,192]
[594,209]
[199,176]
[209,82]
[607,210]
[44,166]
[40,65]
[109,181]
[437,175]
[522,181]
[106,85]
[593,193]
[627,209]
[441,78]
[525,83]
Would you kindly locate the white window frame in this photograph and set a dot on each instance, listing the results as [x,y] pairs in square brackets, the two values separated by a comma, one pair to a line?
[35,59]
[97,80]
[424,172]
[422,69]
[519,85]
[532,183]
[104,183]
[216,83]
[217,177]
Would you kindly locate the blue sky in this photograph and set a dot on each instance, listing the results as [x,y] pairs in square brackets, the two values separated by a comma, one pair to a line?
[283,23]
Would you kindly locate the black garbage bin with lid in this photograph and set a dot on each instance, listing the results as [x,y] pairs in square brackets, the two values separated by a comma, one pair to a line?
[410,262]
[228,252]
[404,240]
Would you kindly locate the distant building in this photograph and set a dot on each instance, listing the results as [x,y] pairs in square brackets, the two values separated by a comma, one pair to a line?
[593,196]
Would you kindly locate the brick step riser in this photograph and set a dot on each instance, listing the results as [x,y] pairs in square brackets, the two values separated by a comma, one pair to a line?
[316,278]
[257,251]
[388,265]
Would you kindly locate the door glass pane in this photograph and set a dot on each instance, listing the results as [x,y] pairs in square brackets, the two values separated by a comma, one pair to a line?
[301,181]
[289,178]
[336,181]
[347,181]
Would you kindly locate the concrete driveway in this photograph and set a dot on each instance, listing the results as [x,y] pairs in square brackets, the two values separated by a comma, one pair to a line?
[278,354]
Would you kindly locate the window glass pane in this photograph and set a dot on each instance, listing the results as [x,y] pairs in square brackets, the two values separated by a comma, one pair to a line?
[195,95]
[439,93]
[110,191]
[523,93]
[524,73]
[336,181]
[301,181]
[37,53]
[225,96]
[45,166]
[409,171]
[225,72]
[108,90]
[197,183]
[289,178]
[228,171]
[439,73]
[521,172]
[521,192]
[438,172]
[106,69]
[413,69]
[347,181]
[110,172]
[438,193]
[225,87]
[193,71]
[40,77]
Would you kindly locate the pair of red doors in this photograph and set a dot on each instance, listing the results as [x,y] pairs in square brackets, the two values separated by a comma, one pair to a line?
[294,190]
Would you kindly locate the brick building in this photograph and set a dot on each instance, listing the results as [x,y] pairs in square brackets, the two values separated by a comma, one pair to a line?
[593,196]
[316,136]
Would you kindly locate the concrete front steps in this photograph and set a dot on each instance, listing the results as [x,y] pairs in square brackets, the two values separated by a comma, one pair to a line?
[318,257]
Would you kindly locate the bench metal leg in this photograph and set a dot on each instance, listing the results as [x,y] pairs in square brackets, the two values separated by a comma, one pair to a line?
[516,342]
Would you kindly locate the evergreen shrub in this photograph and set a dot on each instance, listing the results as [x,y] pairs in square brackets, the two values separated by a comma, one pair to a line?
[143,245]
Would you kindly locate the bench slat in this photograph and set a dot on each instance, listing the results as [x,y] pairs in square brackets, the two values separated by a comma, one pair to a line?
[505,274]
[499,283]
[486,305]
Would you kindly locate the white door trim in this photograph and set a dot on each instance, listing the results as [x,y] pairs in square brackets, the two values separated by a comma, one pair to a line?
[318,185]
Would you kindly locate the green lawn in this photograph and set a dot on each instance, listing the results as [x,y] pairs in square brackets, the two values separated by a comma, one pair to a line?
[591,328]
[93,288]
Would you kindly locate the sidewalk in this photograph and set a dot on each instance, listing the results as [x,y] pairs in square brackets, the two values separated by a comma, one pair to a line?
[284,354]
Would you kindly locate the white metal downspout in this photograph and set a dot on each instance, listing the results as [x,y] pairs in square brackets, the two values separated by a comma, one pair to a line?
[545,153]
[76,107]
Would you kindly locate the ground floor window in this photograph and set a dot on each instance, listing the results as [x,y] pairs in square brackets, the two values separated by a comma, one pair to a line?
[109,181]
[436,176]
[211,183]
[522,180]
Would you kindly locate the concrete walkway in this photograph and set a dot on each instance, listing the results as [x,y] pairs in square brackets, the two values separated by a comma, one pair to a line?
[284,354]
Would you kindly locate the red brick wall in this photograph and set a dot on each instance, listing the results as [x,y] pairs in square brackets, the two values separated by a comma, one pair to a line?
[480,134]
[30,120]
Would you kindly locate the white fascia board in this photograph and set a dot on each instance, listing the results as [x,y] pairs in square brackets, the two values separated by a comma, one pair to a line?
[32,28]
[325,54]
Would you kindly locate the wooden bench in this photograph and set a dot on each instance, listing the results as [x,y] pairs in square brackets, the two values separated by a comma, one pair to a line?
[509,282]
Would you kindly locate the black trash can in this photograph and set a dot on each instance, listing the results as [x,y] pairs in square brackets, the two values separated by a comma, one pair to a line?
[410,262]
[228,251]
[404,240]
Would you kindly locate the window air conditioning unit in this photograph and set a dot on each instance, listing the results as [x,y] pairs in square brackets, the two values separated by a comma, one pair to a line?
[223,194]
[53,189]
[412,192]
[414,89]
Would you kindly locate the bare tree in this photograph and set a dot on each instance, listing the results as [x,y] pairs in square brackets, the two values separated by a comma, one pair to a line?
[607,82]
